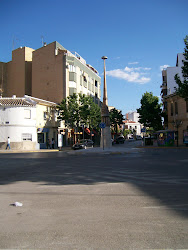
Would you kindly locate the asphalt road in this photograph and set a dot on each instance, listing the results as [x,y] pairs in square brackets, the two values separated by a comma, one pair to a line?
[136,200]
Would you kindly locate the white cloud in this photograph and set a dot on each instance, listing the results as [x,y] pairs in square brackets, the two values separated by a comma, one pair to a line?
[130,74]
[133,63]
[164,67]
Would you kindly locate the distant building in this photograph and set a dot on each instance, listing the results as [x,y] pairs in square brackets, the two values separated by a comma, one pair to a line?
[50,73]
[132,123]
[133,116]
[133,126]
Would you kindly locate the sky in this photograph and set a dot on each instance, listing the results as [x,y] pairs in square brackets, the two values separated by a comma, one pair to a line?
[139,37]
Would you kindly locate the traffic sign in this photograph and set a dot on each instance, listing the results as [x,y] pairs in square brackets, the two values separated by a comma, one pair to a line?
[102,125]
[143,130]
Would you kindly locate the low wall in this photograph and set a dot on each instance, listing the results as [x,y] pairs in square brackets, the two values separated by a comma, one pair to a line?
[24,145]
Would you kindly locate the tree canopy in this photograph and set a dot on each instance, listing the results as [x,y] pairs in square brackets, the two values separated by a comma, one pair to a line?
[182,89]
[116,118]
[77,110]
[150,113]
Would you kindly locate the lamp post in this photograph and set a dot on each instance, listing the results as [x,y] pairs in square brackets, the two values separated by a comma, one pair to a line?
[105,118]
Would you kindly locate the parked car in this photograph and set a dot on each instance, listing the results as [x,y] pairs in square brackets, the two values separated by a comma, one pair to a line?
[119,140]
[139,137]
[83,144]
[131,139]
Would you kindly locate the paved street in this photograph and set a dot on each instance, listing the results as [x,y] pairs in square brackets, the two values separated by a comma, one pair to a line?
[132,198]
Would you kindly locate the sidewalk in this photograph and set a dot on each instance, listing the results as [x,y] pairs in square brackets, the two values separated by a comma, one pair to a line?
[70,151]
[116,149]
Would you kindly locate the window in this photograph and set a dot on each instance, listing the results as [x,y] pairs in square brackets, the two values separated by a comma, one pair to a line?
[176,108]
[45,115]
[85,80]
[164,78]
[27,137]
[172,109]
[165,105]
[72,68]
[96,84]
[187,106]
[27,113]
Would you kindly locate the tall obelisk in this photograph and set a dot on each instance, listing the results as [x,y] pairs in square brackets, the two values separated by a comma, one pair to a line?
[106,141]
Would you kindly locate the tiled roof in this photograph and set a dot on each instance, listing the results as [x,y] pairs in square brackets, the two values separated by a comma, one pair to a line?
[127,121]
[15,102]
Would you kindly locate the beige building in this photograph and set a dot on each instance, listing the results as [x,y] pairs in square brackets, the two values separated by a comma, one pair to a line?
[177,110]
[50,73]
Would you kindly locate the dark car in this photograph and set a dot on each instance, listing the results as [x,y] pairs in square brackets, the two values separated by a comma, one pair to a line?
[119,140]
[83,144]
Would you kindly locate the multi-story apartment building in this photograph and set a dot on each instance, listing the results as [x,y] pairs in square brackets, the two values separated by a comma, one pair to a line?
[50,73]
[175,108]
[168,81]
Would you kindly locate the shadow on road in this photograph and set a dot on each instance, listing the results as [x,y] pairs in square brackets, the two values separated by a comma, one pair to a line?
[162,174]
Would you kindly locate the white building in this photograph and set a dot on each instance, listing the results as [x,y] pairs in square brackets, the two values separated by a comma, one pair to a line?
[132,123]
[133,116]
[133,126]
[28,121]
[169,84]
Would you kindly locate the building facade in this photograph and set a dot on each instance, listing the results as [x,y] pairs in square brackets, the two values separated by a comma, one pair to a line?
[133,116]
[28,121]
[50,73]
[133,126]
[175,108]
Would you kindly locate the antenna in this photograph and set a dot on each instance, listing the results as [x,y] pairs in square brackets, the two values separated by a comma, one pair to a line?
[42,39]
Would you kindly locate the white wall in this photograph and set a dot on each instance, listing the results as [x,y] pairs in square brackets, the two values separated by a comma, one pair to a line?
[133,116]
[13,123]
[171,72]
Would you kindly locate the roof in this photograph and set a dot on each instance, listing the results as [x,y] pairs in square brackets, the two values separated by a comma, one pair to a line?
[127,121]
[9,101]
[41,101]
[26,101]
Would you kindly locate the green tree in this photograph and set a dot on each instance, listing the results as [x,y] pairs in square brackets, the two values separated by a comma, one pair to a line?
[69,111]
[150,113]
[78,110]
[90,114]
[116,118]
[182,89]
[126,132]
